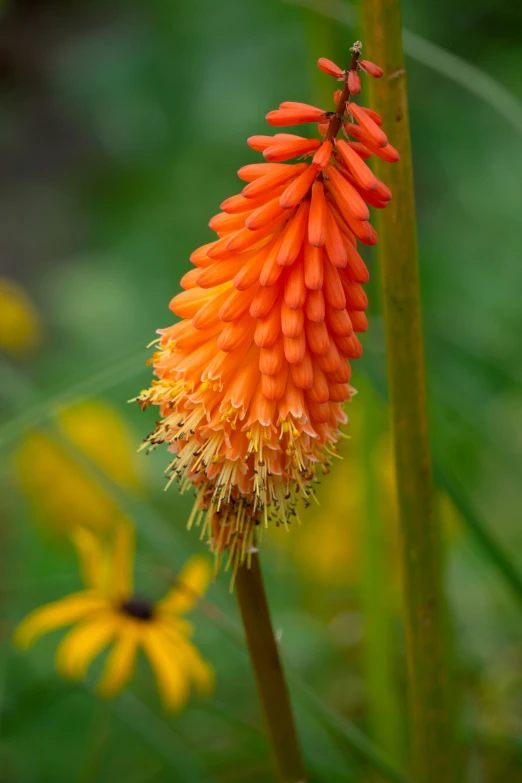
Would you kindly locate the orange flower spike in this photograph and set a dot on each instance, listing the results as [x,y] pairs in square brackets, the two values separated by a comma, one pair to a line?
[251,382]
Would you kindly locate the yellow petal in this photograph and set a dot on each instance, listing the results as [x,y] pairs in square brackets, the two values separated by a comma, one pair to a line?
[103,434]
[83,643]
[20,327]
[171,676]
[120,664]
[91,557]
[121,562]
[57,615]
[190,586]
[202,673]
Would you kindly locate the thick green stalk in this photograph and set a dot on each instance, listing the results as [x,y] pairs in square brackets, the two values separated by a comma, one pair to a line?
[431,735]
[268,671]
[384,710]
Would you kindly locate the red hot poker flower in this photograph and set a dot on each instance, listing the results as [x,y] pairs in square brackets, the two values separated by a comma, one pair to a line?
[252,379]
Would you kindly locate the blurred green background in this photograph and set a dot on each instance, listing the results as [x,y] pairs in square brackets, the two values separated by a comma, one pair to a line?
[121,127]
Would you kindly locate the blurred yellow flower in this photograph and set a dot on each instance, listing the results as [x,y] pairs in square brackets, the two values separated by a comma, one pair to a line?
[20,326]
[328,547]
[107,612]
[59,487]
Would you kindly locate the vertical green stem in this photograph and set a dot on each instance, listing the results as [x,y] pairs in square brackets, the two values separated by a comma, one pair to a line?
[268,671]
[384,711]
[432,752]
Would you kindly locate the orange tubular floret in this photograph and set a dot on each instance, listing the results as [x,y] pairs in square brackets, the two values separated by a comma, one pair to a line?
[189,279]
[362,151]
[387,153]
[253,171]
[295,289]
[284,150]
[293,236]
[323,155]
[260,143]
[335,246]
[251,382]
[354,83]
[239,204]
[317,216]
[377,136]
[292,113]
[345,195]
[371,68]
[273,179]
[373,115]
[329,67]
[313,267]
[225,223]
[298,189]
[360,171]
[261,216]
[315,309]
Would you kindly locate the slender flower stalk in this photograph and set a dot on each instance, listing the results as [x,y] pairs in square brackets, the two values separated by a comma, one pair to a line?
[268,671]
[432,743]
[377,572]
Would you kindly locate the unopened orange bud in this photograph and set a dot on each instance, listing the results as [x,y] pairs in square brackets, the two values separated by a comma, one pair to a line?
[371,68]
[323,128]
[329,67]
[377,136]
[323,155]
[354,83]
[362,151]
[292,113]
[260,143]
[286,149]
[373,114]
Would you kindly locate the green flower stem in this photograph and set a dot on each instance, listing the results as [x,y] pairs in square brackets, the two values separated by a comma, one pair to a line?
[425,620]
[384,709]
[268,671]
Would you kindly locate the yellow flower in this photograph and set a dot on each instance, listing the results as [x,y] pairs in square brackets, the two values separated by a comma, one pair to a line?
[19,323]
[78,499]
[107,612]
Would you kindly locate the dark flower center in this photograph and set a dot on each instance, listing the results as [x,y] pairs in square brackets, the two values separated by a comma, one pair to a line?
[138,607]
